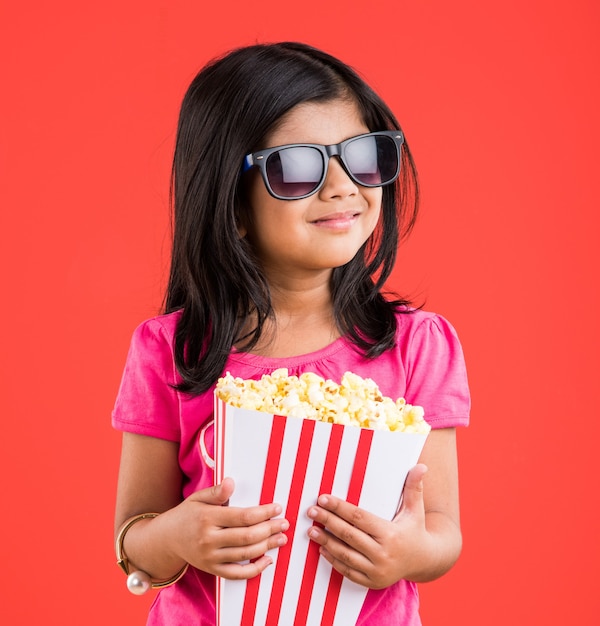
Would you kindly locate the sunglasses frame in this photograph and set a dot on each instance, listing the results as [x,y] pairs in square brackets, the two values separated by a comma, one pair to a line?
[259,159]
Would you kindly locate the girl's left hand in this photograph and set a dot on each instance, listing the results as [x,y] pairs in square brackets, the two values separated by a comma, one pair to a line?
[367,549]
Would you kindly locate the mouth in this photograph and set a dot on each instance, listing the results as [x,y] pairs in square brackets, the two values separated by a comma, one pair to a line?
[339,219]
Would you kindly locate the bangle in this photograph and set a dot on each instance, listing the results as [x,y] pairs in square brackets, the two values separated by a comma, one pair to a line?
[139,582]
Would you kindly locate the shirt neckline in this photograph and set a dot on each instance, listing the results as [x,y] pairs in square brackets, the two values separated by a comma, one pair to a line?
[289,361]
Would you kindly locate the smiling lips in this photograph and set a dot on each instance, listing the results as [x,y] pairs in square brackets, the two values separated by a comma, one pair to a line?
[341,220]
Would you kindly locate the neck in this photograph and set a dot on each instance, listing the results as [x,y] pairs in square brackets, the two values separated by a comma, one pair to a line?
[303,320]
[302,297]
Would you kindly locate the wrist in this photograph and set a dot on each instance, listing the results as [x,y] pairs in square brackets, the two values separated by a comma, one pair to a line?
[139,581]
[440,550]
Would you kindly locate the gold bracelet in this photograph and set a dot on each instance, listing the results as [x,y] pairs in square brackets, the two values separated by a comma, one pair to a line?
[139,582]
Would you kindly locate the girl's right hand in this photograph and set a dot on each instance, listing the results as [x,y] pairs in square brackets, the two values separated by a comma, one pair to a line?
[230,542]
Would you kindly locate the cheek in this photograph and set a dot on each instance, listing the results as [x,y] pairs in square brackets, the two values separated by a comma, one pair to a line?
[375,210]
[264,219]
[255,197]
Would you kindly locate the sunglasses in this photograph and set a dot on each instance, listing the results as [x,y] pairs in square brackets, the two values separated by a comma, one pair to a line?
[298,170]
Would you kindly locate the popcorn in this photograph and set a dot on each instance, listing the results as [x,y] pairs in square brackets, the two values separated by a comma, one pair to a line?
[355,401]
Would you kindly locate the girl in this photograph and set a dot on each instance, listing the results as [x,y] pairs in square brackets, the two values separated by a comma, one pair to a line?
[292,185]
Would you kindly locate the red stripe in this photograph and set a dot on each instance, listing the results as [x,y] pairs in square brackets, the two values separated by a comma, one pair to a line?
[291,514]
[266,497]
[273,458]
[356,482]
[312,556]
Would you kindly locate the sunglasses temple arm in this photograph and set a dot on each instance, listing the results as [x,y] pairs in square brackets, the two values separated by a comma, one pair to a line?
[248,163]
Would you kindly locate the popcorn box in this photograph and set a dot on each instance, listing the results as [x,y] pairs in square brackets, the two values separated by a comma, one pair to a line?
[291,461]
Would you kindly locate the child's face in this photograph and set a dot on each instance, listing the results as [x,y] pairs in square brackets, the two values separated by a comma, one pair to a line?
[327,229]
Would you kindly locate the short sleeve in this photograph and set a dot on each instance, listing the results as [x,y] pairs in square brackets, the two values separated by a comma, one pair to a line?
[147,403]
[437,375]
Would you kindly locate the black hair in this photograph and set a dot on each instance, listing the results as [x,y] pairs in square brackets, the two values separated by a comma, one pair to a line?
[230,107]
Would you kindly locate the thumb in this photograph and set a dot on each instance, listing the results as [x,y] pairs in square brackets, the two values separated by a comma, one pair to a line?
[218,494]
[412,495]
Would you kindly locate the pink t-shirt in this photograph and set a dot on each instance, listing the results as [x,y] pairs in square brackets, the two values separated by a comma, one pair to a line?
[426,367]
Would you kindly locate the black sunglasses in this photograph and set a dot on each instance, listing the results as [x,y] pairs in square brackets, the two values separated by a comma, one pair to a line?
[298,170]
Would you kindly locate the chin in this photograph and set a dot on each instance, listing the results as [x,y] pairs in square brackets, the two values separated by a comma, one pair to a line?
[340,260]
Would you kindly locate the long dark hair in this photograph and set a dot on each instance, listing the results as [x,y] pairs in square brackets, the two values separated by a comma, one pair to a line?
[228,110]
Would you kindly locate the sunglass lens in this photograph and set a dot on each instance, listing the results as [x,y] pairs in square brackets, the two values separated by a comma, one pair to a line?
[372,160]
[294,172]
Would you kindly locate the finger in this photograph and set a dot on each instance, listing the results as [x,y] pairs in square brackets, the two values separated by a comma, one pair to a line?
[352,514]
[358,533]
[355,574]
[332,548]
[244,536]
[243,517]
[412,495]
[233,516]
[251,551]
[243,571]
[218,494]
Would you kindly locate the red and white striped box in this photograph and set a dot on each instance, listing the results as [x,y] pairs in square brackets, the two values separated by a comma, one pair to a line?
[292,461]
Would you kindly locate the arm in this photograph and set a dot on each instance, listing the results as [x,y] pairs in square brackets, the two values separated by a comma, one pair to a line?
[198,530]
[422,542]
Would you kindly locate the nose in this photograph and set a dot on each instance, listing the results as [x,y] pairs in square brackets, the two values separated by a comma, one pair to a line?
[337,182]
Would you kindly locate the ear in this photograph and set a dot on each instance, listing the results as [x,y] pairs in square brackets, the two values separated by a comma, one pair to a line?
[242,218]
[243,209]
[240,222]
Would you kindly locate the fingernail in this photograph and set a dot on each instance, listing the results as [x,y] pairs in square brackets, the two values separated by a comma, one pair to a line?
[285,525]
[313,533]
[312,512]
[278,509]
[323,500]
[281,541]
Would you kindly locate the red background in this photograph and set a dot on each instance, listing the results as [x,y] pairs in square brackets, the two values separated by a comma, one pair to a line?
[500,104]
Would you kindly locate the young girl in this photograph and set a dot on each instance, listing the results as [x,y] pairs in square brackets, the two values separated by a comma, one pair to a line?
[292,186]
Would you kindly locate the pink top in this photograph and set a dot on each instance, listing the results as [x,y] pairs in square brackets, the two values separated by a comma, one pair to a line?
[426,367]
